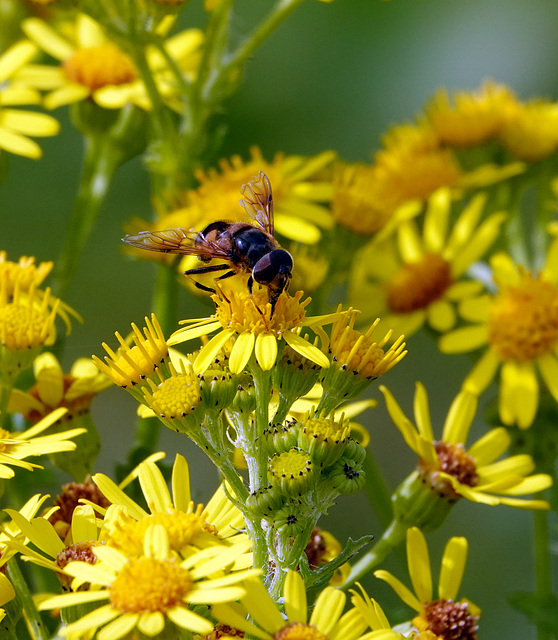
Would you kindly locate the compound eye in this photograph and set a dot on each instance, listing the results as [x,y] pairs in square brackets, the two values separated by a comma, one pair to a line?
[275,263]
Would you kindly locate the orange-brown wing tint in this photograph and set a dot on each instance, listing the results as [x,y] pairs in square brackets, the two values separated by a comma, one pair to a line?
[258,201]
[177,241]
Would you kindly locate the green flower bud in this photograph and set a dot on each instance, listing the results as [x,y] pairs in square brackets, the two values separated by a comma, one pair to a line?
[265,502]
[292,471]
[347,476]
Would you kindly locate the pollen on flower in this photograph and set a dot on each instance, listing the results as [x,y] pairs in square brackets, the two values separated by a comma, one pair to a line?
[291,471]
[24,273]
[182,529]
[450,620]
[523,321]
[176,396]
[26,322]
[299,631]
[417,284]
[358,353]
[96,67]
[149,585]
[239,311]
[82,551]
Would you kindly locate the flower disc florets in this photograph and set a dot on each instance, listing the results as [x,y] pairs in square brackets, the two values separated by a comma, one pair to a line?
[175,397]
[323,438]
[417,284]
[149,584]
[299,631]
[96,67]
[292,471]
[244,313]
[523,322]
[451,620]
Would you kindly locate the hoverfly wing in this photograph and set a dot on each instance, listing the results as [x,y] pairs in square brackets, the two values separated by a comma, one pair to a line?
[167,241]
[258,201]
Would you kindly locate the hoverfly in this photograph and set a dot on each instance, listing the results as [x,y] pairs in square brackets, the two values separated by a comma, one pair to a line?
[245,247]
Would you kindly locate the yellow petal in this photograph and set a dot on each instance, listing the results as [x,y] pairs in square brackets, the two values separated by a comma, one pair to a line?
[482,374]
[302,346]
[453,567]
[436,221]
[30,123]
[211,349]
[241,351]
[519,394]
[418,560]
[295,598]
[441,316]
[400,589]
[465,339]
[266,350]
[460,417]
[15,57]
[18,144]
[47,39]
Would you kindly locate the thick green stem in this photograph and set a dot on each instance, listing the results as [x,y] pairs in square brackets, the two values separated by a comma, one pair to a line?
[32,617]
[99,165]
[391,538]
[262,387]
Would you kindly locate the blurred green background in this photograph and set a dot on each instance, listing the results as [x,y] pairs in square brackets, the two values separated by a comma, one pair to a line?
[335,76]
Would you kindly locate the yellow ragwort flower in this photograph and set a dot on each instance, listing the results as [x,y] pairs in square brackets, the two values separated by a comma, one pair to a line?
[131,366]
[419,278]
[442,615]
[469,118]
[91,66]
[327,621]
[531,130]
[74,391]
[246,318]
[187,525]
[151,591]
[518,327]
[18,126]
[16,446]
[475,473]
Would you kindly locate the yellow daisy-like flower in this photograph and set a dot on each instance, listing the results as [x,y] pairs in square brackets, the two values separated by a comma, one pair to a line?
[443,615]
[187,526]
[247,319]
[49,550]
[452,471]
[18,126]
[327,621]
[91,66]
[16,446]
[470,118]
[422,280]
[531,130]
[374,616]
[131,366]
[24,273]
[151,591]
[53,388]
[518,326]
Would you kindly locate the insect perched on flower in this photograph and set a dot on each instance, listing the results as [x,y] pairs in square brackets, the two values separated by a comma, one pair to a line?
[244,246]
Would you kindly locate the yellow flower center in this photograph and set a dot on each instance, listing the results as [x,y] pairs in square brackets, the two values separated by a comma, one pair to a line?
[417,284]
[176,396]
[24,326]
[354,351]
[523,322]
[324,429]
[299,631]
[96,67]
[5,436]
[150,585]
[242,313]
[182,529]
[450,620]
[135,363]
[291,471]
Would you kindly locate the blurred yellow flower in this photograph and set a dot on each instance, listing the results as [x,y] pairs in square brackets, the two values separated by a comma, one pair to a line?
[518,327]
[93,66]
[419,278]
[18,126]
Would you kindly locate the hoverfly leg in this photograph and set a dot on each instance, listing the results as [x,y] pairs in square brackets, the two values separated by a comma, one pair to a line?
[200,271]
[250,285]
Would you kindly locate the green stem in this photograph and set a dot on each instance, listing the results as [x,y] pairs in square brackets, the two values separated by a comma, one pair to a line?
[543,563]
[99,166]
[165,297]
[391,538]
[262,390]
[377,490]
[32,617]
